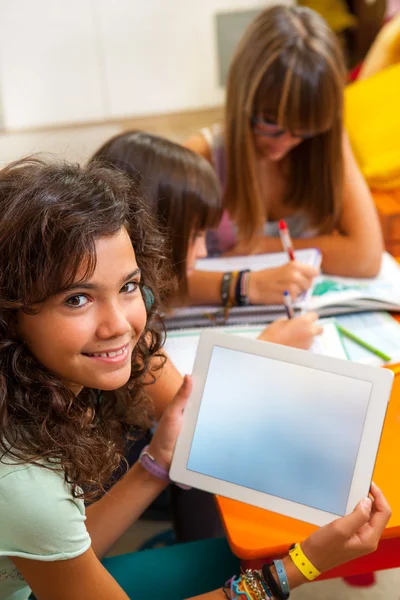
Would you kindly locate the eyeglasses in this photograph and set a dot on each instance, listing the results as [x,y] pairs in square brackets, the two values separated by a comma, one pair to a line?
[270,129]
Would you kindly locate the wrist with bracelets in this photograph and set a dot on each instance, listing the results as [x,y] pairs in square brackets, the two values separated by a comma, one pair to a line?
[254,584]
[234,290]
[150,464]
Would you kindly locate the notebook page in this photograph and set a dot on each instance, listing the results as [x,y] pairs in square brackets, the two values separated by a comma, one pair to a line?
[369,293]
[378,329]
[258,262]
[181,346]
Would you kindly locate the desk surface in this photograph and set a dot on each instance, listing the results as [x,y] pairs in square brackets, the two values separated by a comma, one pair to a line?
[256,533]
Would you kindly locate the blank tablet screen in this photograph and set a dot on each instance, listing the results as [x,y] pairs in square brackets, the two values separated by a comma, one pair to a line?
[283,429]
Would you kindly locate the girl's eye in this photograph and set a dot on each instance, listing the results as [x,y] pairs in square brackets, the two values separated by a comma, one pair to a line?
[130,287]
[77,301]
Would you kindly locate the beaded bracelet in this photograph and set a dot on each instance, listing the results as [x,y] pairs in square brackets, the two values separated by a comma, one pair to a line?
[264,584]
[261,591]
[226,288]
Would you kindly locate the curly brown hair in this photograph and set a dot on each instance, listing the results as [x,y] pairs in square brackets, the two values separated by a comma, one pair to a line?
[50,218]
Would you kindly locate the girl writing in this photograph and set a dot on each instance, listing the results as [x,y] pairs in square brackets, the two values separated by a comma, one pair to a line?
[282,152]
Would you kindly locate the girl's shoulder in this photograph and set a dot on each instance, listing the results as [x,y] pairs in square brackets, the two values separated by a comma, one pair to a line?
[40,517]
[208,142]
[214,135]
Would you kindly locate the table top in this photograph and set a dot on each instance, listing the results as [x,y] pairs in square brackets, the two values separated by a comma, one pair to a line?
[256,533]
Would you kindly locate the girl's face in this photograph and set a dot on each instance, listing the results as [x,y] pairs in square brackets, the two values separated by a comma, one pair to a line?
[86,335]
[276,149]
[272,141]
[197,249]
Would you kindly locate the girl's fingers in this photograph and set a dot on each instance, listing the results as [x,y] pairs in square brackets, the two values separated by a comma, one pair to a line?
[317,330]
[381,510]
[183,394]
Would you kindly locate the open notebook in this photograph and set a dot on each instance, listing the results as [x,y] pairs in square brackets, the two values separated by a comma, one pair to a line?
[378,329]
[330,295]
[334,295]
[181,346]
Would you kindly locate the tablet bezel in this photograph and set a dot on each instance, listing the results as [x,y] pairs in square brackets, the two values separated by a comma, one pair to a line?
[381,380]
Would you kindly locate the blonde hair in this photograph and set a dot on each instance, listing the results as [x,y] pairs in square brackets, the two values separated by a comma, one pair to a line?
[288,67]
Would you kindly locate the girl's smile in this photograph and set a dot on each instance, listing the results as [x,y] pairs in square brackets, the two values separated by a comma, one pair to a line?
[115,355]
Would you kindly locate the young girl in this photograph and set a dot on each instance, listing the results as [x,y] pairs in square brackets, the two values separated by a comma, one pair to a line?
[182,192]
[283,153]
[76,338]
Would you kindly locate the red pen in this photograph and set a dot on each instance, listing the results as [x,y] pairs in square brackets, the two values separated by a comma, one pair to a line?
[286,239]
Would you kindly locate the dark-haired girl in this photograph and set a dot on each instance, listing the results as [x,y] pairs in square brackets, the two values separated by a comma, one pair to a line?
[76,339]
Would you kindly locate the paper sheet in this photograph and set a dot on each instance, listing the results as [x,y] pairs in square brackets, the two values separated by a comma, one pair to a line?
[377,293]
[182,346]
[378,329]
[258,262]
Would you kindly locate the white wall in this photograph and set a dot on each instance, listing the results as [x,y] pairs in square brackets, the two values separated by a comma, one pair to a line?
[83,60]
[49,70]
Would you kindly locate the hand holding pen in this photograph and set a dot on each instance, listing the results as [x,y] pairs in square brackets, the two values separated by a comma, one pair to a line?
[298,332]
[288,304]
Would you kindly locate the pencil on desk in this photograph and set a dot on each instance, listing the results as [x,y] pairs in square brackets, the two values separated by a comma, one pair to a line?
[362,343]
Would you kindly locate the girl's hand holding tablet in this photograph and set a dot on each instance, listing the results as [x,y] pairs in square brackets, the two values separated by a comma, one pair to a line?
[163,442]
[352,536]
[267,286]
[343,540]
[298,332]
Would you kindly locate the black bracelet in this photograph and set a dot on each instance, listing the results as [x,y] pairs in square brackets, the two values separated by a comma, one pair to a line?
[226,288]
[241,296]
[275,588]
[224,589]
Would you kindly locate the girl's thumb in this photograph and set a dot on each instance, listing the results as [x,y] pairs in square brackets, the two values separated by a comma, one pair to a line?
[354,521]
[184,392]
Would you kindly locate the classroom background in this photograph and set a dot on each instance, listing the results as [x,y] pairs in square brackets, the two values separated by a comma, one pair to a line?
[73,74]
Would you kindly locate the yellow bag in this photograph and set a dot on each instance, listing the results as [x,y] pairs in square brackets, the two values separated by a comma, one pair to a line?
[335,12]
[372,120]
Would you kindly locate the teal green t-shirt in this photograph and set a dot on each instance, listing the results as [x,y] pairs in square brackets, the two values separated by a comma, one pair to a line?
[39,520]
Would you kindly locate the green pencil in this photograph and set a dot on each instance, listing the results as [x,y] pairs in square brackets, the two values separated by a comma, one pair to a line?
[360,342]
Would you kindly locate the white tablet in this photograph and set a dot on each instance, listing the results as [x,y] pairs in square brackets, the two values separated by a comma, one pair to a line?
[280,428]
